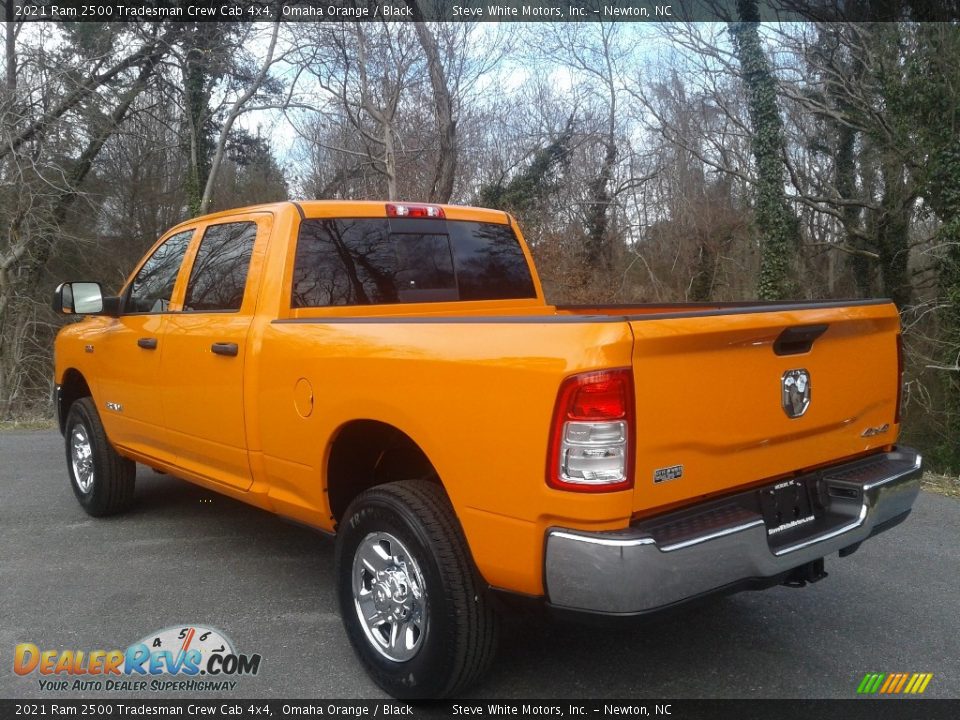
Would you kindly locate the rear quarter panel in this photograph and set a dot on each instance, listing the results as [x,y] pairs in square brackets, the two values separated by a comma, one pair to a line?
[477,396]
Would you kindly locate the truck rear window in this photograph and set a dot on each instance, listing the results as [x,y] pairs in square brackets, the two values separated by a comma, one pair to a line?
[370,261]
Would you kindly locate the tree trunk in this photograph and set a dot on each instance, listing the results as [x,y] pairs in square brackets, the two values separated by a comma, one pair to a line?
[701,285]
[11,49]
[845,173]
[389,161]
[598,246]
[893,229]
[441,189]
[778,227]
[236,110]
[197,101]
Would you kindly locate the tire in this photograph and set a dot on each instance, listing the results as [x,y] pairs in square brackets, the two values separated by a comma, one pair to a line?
[425,586]
[102,480]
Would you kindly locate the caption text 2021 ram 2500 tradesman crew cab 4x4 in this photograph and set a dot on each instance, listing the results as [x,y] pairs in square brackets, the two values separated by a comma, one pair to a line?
[392,373]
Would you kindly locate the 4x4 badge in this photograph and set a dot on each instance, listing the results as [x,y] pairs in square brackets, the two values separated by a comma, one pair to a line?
[795,392]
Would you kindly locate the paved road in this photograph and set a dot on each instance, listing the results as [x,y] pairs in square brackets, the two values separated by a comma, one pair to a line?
[184,555]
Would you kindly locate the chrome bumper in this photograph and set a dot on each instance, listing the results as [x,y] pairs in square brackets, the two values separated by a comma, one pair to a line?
[665,560]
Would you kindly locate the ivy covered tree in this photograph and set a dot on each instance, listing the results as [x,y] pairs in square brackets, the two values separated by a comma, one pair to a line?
[776,223]
[523,191]
[204,58]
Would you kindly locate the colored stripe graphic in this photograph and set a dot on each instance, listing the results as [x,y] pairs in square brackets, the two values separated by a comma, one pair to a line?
[894,683]
[891,680]
[903,679]
[912,683]
[870,683]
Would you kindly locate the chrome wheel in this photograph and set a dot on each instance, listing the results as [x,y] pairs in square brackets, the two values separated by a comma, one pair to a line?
[390,596]
[81,457]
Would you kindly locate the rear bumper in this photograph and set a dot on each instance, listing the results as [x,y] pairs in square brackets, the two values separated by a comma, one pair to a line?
[669,559]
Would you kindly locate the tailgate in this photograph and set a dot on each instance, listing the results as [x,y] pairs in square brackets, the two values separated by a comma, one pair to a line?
[720,403]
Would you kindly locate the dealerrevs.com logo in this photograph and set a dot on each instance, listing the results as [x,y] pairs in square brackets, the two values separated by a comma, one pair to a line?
[187,657]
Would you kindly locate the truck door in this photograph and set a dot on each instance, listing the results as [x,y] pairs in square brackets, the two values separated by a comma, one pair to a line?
[130,349]
[202,368]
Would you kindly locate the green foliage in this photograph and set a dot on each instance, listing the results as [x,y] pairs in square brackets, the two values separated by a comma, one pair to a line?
[251,175]
[532,184]
[88,39]
[198,143]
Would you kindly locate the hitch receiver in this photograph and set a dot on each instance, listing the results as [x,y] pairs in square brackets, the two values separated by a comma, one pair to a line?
[809,572]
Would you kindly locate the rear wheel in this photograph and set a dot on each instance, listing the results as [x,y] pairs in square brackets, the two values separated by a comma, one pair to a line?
[415,610]
[101,479]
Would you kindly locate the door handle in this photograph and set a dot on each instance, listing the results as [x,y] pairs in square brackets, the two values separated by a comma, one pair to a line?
[798,339]
[230,349]
[147,343]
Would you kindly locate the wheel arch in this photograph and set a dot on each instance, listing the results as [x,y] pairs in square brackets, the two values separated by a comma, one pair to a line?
[365,453]
[72,387]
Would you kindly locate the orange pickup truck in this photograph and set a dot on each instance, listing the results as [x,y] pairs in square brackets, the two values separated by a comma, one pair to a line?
[391,373]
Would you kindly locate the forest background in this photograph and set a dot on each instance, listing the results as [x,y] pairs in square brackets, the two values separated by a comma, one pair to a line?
[646,162]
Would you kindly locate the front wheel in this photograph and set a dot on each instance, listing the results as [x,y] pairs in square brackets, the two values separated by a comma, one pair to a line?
[414,608]
[101,479]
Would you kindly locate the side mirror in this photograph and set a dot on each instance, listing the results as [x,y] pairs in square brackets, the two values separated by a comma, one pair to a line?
[83,298]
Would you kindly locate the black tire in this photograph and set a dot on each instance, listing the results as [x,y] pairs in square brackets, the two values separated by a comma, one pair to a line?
[459,636]
[109,490]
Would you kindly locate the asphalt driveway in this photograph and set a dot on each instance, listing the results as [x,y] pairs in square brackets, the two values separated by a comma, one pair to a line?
[186,556]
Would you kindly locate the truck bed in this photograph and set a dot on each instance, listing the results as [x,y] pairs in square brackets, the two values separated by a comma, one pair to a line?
[708,386]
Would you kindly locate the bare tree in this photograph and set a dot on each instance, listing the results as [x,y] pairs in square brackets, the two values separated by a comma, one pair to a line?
[364,72]
[441,187]
[45,159]
[594,53]
[237,108]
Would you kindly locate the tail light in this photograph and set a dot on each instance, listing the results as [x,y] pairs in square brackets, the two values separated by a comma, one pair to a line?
[896,417]
[397,210]
[591,438]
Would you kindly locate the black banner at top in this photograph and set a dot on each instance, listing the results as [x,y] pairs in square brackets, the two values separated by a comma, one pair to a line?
[467,10]
[628,709]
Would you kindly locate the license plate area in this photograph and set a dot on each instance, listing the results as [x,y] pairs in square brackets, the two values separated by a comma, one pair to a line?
[786,506]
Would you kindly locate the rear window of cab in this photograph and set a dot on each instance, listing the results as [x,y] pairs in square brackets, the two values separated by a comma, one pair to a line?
[374,261]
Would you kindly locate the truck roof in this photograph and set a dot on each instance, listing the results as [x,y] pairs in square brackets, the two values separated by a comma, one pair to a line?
[355,208]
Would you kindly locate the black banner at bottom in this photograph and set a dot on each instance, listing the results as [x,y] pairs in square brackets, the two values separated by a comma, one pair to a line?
[854,709]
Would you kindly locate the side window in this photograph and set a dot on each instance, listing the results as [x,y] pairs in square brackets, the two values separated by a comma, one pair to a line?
[152,288]
[219,274]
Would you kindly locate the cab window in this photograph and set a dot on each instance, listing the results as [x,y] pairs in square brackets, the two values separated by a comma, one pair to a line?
[152,288]
[369,261]
[219,275]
